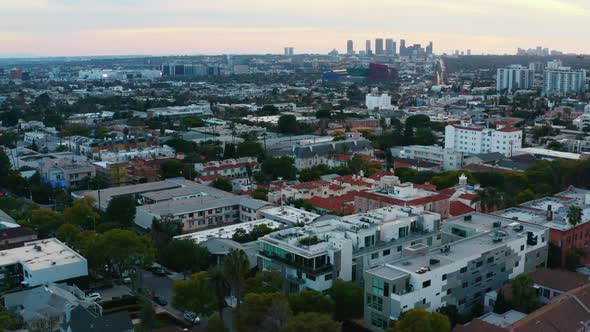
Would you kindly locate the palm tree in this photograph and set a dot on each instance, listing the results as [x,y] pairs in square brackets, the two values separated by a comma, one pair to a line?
[235,268]
[219,286]
[574,215]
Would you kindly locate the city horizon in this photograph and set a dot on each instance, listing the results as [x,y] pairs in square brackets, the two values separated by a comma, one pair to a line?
[90,28]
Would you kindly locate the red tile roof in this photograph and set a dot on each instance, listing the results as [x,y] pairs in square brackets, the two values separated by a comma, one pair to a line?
[311,184]
[379,175]
[343,204]
[353,180]
[394,201]
[508,129]
[457,208]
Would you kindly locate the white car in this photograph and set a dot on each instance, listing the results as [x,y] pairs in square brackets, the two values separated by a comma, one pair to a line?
[191,317]
[93,297]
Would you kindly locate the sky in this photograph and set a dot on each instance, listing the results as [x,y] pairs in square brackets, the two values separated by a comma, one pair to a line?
[120,27]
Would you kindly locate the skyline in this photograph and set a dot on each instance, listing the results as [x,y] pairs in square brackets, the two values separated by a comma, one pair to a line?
[147,27]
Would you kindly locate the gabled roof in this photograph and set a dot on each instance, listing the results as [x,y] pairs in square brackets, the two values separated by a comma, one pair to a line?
[458,208]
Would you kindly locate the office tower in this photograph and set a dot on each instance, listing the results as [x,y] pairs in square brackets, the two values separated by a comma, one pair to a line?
[350,47]
[468,52]
[394,47]
[429,49]
[559,81]
[545,52]
[402,47]
[368,47]
[515,77]
[539,51]
[291,51]
[286,51]
[389,47]
[379,46]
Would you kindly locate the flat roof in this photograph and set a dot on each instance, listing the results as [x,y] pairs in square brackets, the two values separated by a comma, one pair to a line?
[551,153]
[291,214]
[41,254]
[226,232]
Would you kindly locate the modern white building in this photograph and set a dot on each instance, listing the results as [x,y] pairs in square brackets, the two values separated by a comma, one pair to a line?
[514,77]
[480,253]
[41,262]
[583,120]
[176,112]
[448,158]
[469,138]
[109,74]
[227,232]
[559,80]
[311,257]
[379,101]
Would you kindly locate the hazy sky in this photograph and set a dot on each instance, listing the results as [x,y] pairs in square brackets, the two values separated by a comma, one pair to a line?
[108,27]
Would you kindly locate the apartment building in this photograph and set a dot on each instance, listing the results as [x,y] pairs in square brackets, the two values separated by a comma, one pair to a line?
[480,253]
[559,80]
[311,257]
[469,138]
[449,159]
[514,77]
[229,168]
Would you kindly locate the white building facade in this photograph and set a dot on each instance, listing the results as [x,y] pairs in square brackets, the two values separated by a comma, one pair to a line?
[514,77]
[559,81]
[379,101]
[468,138]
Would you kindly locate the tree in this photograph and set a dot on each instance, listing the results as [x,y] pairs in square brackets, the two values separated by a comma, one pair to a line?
[216,324]
[235,267]
[219,286]
[311,301]
[69,234]
[349,297]
[283,167]
[452,313]
[123,249]
[276,316]
[309,175]
[147,315]
[256,309]
[288,125]
[173,168]
[45,222]
[490,199]
[82,213]
[194,294]
[264,282]
[222,184]
[501,305]
[574,215]
[323,114]
[121,210]
[184,255]
[425,136]
[524,295]
[249,148]
[311,322]
[261,194]
[420,320]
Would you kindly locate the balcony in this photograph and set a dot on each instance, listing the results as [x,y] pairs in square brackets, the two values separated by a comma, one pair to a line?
[297,265]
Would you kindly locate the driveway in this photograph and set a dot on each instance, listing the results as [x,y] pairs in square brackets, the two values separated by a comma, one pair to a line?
[117,291]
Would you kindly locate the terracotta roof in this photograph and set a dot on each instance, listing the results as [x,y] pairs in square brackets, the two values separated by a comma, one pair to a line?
[207,178]
[353,180]
[395,201]
[379,175]
[508,129]
[426,186]
[342,204]
[561,280]
[311,184]
[478,325]
[457,208]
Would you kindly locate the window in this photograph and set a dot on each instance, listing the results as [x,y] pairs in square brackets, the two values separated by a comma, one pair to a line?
[426,284]
[489,275]
[463,269]
[478,279]
[378,320]
[449,291]
[546,293]
[399,248]
[522,247]
[386,252]
[378,286]
[444,276]
[478,264]
[516,264]
[310,277]
[490,260]
[464,285]
[375,302]
[328,276]
[375,255]
[461,301]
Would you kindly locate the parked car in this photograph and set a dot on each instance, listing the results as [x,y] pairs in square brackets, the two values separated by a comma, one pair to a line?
[160,272]
[93,297]
[191,317]
[160,300]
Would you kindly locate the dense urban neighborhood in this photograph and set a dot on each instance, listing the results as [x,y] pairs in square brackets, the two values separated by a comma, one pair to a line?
[385,189]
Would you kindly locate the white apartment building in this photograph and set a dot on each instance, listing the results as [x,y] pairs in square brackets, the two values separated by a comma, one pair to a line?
[448,158]
[469,138]
[514,77]
[559,80]
[311,257]
[583,120]
[41,262]
[481,252]
[376,100]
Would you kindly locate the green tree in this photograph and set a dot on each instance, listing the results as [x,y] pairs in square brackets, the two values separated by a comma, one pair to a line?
[323,114]
[288,125]
[491,199]
[173,168]
[309,175]
[524,295]
[264,282]
[123,249]
[255,310]
[216,324]
[82,213]
[311,301]
[425,136]
[235,267]
[147,315]
[121,210]
[69,234]
[222,184]
[219,286]
[184,255]
[249,148]
[574,215]
[45,222]
[194,294]
[420,320]
[311,322]
[349,299]
[283,167]
[261,194]
[501,305]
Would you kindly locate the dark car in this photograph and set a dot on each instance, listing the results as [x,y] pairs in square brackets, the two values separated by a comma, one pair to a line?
[160,300]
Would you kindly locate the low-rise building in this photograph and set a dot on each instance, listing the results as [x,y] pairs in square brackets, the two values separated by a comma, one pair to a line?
[229,168]
[480,253]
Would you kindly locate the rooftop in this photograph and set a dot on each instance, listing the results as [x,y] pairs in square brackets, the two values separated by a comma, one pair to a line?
[226,232]
[40,254]
[290,214]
